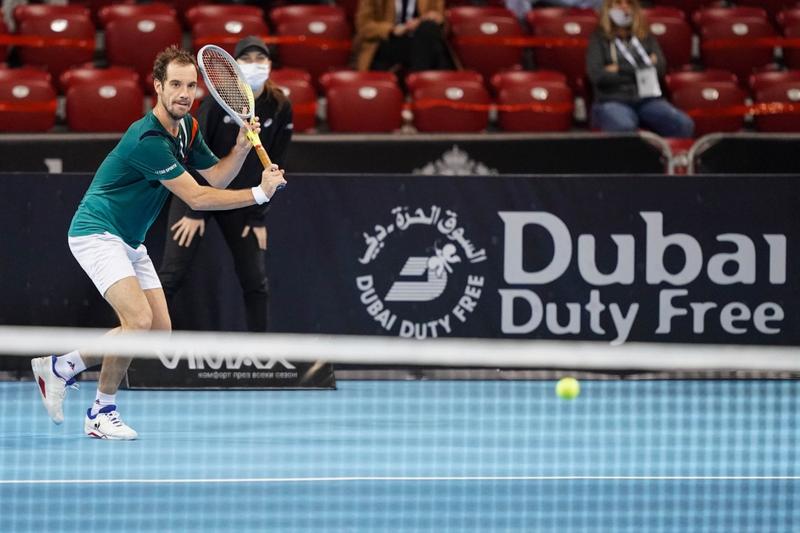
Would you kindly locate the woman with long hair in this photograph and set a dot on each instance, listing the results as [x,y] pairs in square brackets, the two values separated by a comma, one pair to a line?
[625,63]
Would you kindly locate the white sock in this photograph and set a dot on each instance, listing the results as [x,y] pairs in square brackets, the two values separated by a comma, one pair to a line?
[102,400]
[70,365]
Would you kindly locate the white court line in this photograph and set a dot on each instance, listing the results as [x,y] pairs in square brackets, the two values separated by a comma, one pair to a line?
[199,481]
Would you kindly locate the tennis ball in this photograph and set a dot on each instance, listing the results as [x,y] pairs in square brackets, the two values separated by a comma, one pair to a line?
[568,388]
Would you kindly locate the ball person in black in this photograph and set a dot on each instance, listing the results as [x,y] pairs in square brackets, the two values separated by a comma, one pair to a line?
[244,229]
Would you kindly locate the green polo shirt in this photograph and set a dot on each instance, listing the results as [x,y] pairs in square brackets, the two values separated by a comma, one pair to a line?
[126,194]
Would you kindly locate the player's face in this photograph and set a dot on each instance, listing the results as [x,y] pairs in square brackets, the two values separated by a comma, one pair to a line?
[177,92]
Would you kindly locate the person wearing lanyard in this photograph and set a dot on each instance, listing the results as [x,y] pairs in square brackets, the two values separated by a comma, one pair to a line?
[405,35]
[624,63]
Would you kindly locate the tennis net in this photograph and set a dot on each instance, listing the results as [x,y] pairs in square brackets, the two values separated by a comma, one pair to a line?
[661,438]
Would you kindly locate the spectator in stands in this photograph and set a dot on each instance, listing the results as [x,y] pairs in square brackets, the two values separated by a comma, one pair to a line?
[244,229]
[624,63]
[401,34]
[8,9]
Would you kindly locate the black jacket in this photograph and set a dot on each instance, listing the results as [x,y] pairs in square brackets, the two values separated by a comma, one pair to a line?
[219,132]
[618,86]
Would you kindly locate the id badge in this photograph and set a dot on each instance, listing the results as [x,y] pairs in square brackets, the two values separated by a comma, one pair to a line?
[647,82]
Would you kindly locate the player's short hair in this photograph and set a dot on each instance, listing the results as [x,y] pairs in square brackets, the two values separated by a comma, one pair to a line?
[173,54]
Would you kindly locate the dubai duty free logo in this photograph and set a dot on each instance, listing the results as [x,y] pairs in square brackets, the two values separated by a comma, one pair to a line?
[420,274]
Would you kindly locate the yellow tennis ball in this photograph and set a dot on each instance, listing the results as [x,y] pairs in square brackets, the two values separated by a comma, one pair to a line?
[568,388]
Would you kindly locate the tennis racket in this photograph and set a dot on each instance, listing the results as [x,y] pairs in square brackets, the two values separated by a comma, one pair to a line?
[227,85]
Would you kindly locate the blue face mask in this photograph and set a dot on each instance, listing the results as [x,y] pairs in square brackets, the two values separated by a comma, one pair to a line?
[620,17]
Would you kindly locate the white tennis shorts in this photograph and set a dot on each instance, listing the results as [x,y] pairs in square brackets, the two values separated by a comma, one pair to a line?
[107,259]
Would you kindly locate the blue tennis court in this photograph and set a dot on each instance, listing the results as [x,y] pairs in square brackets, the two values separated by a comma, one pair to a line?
[655,456]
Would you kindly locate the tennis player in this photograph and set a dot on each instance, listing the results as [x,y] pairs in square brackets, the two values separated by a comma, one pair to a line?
[107,231]
[245,229]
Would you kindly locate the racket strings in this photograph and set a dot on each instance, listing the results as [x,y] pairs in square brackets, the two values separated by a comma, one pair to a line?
[223,76]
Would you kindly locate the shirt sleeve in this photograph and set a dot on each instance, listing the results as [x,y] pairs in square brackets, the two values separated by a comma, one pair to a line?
[200,156]
[154,159]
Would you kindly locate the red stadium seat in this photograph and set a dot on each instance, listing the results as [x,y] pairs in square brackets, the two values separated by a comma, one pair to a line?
[786,91]
[473,21]
[65,22]
[535,92]
[216,12]
[96,6]
[346,77]
[687,6]
[441,118]
[364,106]
[3,31]
[150,33]
[772,7]
[791,55]
[761,80]
[678,80]
[301,94]
[426,78]
[569,23]
[742,24]
[287,74]
[121,11]
[86,97]
[788,17]
[661,11]
[78,75]
[27,86]
[319,21]
[712,96]
[515,77]
[673,34]
[226,32]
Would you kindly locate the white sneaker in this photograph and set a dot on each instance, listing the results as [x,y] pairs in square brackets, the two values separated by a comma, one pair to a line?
[108,425]
[52,387]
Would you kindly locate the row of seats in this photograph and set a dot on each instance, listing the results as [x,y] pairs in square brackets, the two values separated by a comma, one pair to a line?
[441,101]
[154,26]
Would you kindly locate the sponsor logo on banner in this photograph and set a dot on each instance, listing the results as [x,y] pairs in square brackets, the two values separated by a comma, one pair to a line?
[456,162]
[672,263]
[420,275]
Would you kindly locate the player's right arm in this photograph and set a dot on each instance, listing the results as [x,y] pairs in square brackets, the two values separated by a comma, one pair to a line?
[203,198]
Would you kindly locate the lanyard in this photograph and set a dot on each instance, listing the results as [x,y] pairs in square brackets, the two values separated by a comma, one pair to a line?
[405,9]
[639,49]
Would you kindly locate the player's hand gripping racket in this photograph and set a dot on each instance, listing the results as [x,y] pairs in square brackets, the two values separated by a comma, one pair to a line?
[228,87]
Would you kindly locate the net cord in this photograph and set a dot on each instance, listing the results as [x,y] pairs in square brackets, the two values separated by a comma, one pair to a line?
[377,350]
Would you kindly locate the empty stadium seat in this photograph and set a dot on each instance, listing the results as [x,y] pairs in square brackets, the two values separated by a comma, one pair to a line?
[117,11]
[96,6]
[121,98]
[3,31]
[317,21]
[687,6]
[426,78]
[789,17]
[789,21]
[287,74]
[26,86]
[679,79]
[762,80]
[515,77]
[554,22]
[226,32]
[785,91]
[135,41]
[64,22]
[772,7]
[710,97]
[215,12]
[474,21]
[364,105]
[443,118]
[674,35]
[552,93]
[77,75]
[735,24]
[346,77]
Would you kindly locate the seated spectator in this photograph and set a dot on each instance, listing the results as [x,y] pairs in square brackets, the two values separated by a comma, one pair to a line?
[401,34]
[624,63]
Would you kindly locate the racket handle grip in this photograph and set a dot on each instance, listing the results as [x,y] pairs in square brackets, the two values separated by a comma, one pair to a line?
[262,155]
